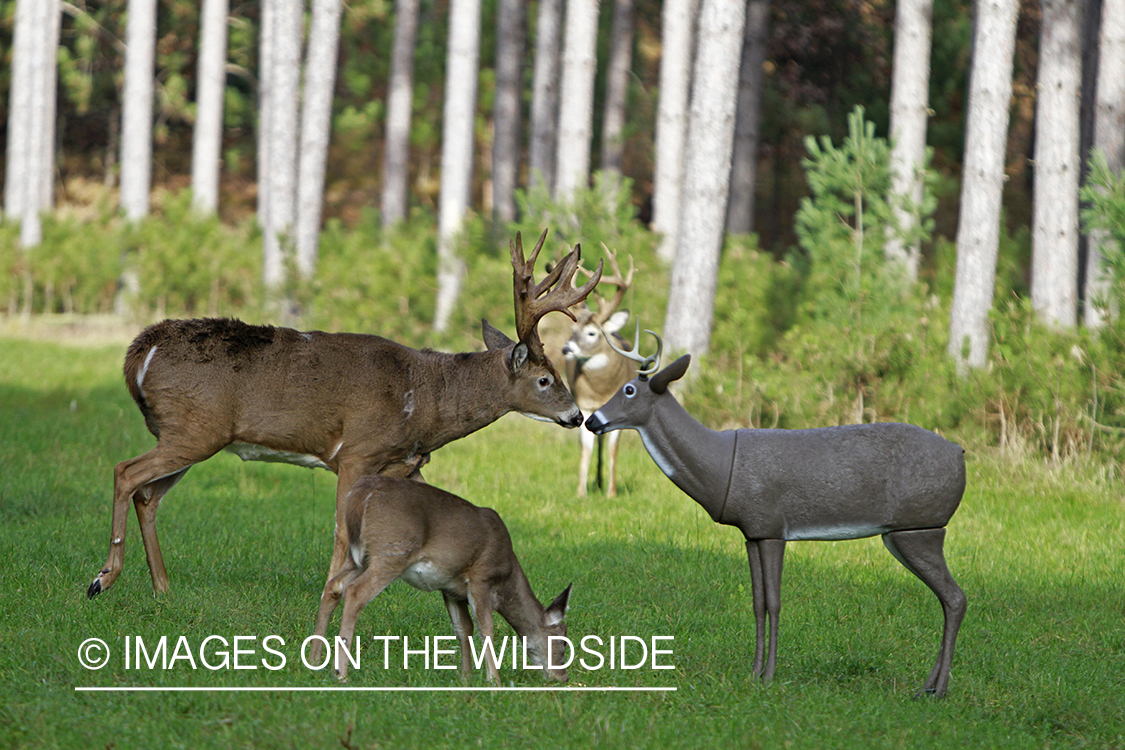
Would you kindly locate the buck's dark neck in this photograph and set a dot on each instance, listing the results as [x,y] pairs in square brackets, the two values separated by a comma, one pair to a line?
[467,392]
[698,460]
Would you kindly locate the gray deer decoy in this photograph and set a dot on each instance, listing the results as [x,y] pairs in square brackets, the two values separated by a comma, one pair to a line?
[825,483]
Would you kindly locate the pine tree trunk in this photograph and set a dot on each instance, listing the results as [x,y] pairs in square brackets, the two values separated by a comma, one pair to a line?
[207,135]
[400,103]
[506,108]
[1109,138]
[316,128]
[545,94]
[136,111]
[458,119]
[676,33]
[576,98]
[982,181]
[617,88]
[1054,239]
[910,99]
[707,161]
[744,161]
[281,125]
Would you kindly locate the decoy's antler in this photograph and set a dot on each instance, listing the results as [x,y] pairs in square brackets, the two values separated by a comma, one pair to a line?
[649,364]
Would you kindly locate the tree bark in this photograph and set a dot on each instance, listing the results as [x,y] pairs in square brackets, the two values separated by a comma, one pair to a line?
[576,98]
[691,297]
[744,161]
[677,25]
[1109,138]
[136,109]
[400,103]
[316,129]
[910,98]
[458,120]
[617,88]
[207,135]
[982,182]
[506,108]
[281,125]
[545,94]
[1054,239]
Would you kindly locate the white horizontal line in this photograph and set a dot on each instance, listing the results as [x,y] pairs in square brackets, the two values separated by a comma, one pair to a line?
[345,688]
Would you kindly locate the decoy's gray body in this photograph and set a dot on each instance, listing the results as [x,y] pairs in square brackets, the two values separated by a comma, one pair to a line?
[828,483]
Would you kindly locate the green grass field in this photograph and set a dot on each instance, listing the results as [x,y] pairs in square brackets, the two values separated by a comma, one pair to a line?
[1040,553]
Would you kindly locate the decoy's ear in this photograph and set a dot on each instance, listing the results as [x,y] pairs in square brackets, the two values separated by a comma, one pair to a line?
[675,371]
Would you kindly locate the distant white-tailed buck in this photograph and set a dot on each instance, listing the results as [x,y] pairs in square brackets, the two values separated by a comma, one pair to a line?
[436,541]
[827,483]
[354,404]
[595,370]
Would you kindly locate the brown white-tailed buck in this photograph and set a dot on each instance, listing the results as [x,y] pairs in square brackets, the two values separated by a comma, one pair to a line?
[595,370]
[827,483]
[354,404]
[436,541]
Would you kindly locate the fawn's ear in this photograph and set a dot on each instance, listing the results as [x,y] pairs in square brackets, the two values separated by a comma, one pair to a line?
[557,610]
[674,371]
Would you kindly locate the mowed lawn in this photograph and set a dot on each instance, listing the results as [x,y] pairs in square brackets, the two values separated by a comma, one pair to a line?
[1039,550]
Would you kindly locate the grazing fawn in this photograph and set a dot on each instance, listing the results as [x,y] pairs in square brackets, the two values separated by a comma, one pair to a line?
[436,541]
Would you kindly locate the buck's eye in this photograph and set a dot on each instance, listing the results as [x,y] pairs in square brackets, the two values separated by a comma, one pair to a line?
[545,381]
[630,390]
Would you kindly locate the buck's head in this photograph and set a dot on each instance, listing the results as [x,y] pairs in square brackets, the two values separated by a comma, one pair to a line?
[536,390]
[589,341]
[633,404]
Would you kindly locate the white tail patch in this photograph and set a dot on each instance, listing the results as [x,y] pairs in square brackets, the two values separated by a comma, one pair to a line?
[144,369]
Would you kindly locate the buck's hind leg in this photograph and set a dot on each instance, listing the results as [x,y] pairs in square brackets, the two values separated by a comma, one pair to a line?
[147,476]
[462,621]
[329,600]
[923,555]
[766,559]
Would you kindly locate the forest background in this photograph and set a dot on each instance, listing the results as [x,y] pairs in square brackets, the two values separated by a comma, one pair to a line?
[794,343]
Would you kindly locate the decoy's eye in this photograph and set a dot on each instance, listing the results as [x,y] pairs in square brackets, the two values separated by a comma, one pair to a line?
[630,390]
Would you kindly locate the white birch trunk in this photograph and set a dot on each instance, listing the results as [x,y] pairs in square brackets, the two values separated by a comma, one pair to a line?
[1109,138]
[506,108]
[400,103]
[744,161]
[265,108]
[676,31]
[1054,239]
[910,84]
[545,94]
[316,129]
[576,98]
[982,181]
[17,164]
[617,88]
[707,160]
[207,136]
[458,121]
[281,125]
[136,109]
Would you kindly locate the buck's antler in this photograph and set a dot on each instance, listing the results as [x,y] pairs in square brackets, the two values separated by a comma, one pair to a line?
[606,309]
[555,293]
[649,364]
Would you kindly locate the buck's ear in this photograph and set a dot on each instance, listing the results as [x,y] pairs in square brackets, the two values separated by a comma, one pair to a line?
[616,321]
[493,338]
[557,609]
[518,358]
[674,371]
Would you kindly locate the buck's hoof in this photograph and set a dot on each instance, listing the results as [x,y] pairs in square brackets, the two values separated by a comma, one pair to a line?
[95,588]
